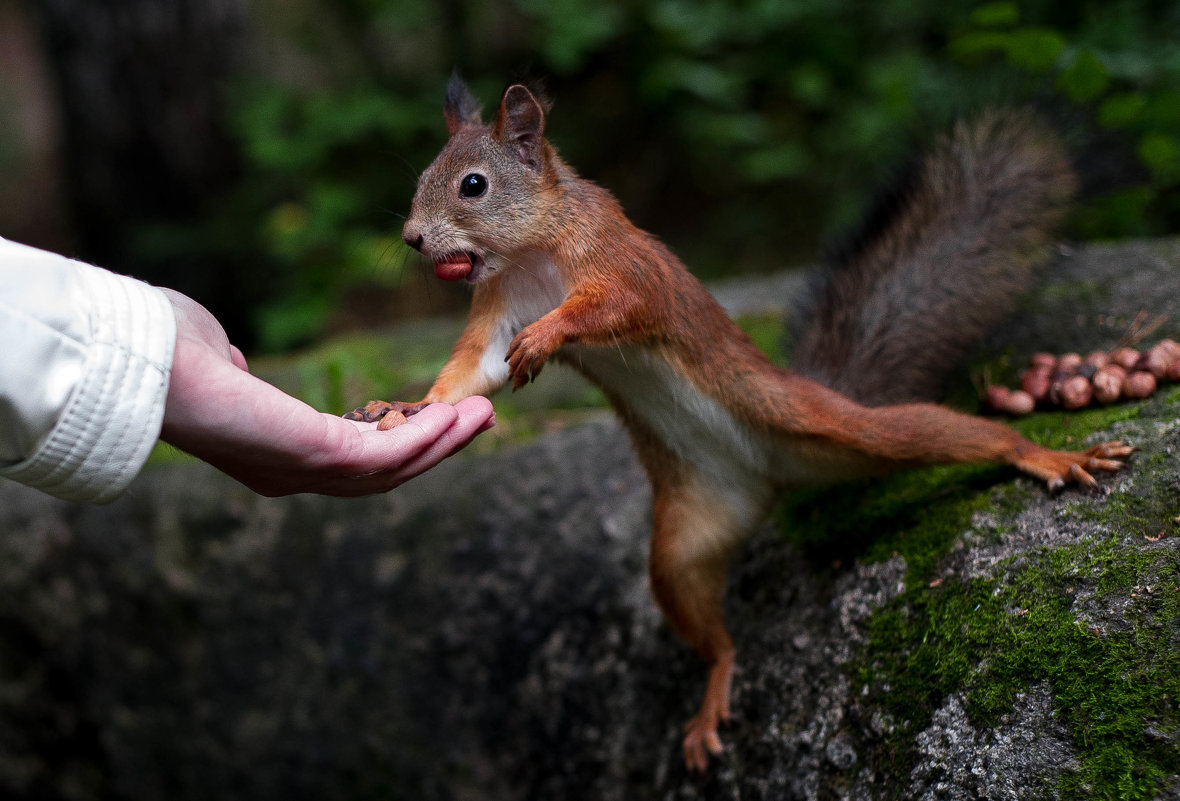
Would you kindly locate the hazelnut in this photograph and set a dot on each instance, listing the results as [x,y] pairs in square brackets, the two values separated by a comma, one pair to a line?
[1154,361]
[391,419]
[1069,362]
[996,397]
[1108,384]
[1171,347]
[1035,381]
[1076,392]
[1117,369]
[1125,357]
[1139,384]
[1097,358]
[1019,402]
[1174,371]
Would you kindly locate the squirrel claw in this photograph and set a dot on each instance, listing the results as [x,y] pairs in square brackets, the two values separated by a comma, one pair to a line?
[699,744]
[1059,469]
[526,356]
[371,412]
[374,411]
[1081,476]
[520,377]
[1110,450]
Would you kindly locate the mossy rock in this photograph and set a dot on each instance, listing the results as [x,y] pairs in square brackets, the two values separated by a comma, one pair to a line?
[1048,622]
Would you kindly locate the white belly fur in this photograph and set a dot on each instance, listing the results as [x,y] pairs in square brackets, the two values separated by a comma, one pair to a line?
[731,461]
[532,288]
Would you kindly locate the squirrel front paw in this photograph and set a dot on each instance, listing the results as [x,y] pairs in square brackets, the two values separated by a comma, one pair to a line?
[527,354]
[385,413]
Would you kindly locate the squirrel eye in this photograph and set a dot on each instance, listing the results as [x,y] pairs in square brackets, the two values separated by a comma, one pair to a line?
[473,185]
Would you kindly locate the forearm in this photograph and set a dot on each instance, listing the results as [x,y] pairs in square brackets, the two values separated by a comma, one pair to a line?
[82,392]
[277,445]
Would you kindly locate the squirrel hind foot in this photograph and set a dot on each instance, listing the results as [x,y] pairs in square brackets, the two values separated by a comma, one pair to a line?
[700,734]
[701,741]
[1058,468]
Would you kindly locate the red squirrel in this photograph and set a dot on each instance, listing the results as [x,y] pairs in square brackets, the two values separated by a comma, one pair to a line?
[558,271]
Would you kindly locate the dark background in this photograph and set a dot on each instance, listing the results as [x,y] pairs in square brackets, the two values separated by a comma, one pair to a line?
[257,155]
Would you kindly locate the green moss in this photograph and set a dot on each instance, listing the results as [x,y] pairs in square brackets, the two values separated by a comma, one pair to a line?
[1096,620]
[918,514]
[1114,690]
[1062,430]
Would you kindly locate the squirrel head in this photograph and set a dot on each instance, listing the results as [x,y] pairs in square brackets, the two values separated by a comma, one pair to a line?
[486,197]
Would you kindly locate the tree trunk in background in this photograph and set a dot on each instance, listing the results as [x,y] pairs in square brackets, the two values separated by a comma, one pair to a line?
[139,85]
[31,209]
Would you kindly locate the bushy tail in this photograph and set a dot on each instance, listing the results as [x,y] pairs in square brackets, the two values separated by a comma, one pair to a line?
[940,264]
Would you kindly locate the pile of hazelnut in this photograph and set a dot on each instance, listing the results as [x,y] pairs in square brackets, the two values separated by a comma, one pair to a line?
[1072,381]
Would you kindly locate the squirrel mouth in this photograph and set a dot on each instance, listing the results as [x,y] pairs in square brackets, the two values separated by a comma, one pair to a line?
[457,266]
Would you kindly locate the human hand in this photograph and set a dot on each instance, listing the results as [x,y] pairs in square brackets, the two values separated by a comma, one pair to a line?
[278,445]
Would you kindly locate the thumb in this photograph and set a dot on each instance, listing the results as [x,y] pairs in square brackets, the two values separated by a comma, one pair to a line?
[194,322]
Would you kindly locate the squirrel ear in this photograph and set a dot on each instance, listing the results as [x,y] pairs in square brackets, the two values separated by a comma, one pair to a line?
[461,108]
[520,123]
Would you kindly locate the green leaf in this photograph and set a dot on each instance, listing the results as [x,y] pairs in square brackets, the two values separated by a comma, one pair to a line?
[1119,214]
[1121,110]
[1158,151]
[771,164]
[996,15]
[1035,49]
[811,84]
[727,129]
[1163,110]
[1085,79]
[292,321]
[702,79]
[572,29]
[977,44]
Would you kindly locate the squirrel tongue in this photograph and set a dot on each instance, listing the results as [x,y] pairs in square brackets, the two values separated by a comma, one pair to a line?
[454,268]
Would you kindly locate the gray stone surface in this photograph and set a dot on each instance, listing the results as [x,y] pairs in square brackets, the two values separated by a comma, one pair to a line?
[1019,758]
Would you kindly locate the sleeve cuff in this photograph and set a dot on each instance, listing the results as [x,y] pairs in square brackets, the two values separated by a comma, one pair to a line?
[113,417]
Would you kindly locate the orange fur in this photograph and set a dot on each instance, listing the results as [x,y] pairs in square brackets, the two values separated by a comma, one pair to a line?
[460,376]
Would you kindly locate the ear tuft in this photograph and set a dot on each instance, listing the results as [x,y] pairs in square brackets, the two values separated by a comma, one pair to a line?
[461,108]
[520,123]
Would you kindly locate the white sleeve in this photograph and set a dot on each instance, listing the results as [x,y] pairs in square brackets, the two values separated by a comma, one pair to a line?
[84,373]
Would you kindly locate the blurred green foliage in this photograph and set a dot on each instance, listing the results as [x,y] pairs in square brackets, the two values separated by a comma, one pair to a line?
[743,132]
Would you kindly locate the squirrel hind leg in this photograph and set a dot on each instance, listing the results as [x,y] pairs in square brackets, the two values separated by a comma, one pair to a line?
[695,531]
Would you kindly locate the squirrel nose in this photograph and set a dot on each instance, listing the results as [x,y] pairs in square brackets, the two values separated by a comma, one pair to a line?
[412,238]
